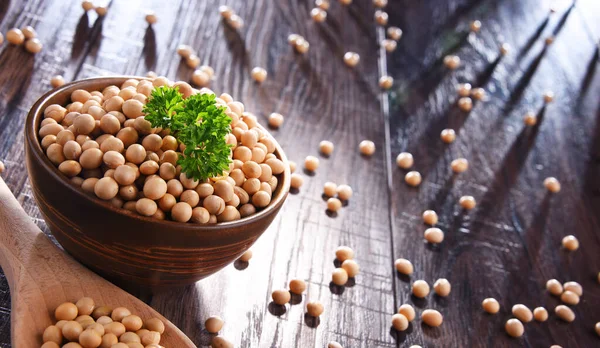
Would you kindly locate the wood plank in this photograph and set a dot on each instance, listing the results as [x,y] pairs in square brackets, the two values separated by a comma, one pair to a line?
[23,79]
[320,99]
[510,244]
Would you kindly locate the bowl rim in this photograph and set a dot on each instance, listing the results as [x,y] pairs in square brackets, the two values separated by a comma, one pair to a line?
[35,116]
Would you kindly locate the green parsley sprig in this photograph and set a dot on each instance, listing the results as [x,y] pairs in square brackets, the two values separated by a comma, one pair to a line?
[199,124]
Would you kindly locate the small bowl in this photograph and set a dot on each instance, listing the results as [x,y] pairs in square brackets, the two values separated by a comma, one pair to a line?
[137,252]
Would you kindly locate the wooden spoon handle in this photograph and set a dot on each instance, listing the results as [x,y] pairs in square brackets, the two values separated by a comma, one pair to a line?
[17,234]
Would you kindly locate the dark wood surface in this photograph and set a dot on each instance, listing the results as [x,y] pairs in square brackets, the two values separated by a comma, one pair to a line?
[506,248]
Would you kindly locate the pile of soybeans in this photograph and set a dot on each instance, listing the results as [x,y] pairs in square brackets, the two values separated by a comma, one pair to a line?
[85,325]
[103,144]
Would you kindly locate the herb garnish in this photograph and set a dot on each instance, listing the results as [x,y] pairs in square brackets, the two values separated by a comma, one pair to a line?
[199,124]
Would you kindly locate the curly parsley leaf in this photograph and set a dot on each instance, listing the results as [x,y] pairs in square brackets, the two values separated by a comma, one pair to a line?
[163,104]
[199,124]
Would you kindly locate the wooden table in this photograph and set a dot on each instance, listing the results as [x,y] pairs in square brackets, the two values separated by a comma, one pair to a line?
[507,247]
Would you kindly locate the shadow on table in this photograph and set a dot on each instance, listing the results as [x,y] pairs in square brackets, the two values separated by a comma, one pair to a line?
[536,228]
[295,299]
[523,82]
[96,35]
[276,310]
[430,80]
[589,74]
[336,289]
[508,171]
[431,331]
[82,32]
[402,277]
[4,5]
[236,45]
[309,172]
[240,265]
[484,77]
[440,301]
[84,35]
[311,321]
[400,336]
[437,201]
[563,20]
[149,50]
[419,302]
[21,63]
[533,38]
[331,214]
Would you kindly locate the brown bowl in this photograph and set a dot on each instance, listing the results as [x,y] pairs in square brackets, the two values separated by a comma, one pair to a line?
[131,250]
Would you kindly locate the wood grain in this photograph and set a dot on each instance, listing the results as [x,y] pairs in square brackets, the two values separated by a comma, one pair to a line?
[509,246]
[506,248]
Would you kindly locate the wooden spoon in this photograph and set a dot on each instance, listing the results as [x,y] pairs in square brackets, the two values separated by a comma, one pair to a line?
[41,276]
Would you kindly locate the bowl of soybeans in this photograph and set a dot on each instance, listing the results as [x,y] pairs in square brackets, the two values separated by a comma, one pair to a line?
[129,200]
